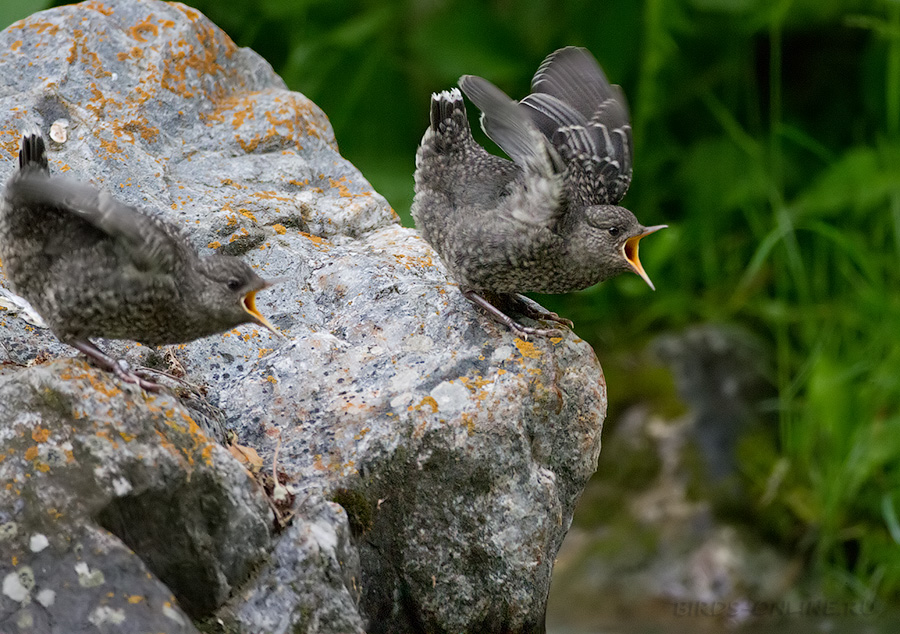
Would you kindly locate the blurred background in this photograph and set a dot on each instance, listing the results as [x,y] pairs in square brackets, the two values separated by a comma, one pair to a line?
[755,396]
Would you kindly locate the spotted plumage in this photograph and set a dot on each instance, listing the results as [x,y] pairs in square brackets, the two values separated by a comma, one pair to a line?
[94,267]
[547,221]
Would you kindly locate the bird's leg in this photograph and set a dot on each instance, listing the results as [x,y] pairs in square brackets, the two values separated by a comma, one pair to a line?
[117,366]
[532,309]
[477,299]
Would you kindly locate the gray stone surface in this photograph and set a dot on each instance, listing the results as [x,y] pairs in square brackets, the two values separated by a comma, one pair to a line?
[109,494]
[457,450]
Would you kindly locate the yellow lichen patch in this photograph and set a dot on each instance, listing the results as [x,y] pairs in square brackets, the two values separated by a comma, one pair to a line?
[271,379]
[362,433]
[263,352]
[42,27]
[133,53]
[202,61]
[215,244]
[104,434]
[99,7]
[279,229]
[316,240]
[272,195]
[237,235]
[40,434]
[527,349]
[81,55]
[245,113]
[139,125]
[468,421]
[410,261]
[427,401]
[31,453]
[139,30]
[110,146]
[126,436]
[246,213]
[15,46]
[555,340]
[341,185]
[135,598]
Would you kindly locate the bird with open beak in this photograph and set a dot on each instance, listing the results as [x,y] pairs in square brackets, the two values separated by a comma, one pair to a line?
[94,267]
[547,221]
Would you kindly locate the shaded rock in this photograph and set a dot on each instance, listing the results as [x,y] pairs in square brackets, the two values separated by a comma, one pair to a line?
[457,451]
[114,501]
[721,375]
[313,581]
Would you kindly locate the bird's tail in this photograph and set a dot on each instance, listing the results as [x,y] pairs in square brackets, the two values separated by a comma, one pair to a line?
[449,129]
[32,151]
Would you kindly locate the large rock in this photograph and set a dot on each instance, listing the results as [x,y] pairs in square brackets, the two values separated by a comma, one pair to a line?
[455,451]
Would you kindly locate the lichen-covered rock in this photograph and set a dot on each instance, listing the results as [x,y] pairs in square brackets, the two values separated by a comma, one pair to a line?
[457,450]
[94,470]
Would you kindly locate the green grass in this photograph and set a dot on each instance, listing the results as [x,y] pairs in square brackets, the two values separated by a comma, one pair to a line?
[767,135]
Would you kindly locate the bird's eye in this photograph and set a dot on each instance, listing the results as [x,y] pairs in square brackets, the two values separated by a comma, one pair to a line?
[234,284]
[613,231]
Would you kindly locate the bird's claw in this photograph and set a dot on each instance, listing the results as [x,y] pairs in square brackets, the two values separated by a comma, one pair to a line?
[122,370]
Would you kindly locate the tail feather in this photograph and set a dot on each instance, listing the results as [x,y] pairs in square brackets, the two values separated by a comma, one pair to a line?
[449,125]
[32,151]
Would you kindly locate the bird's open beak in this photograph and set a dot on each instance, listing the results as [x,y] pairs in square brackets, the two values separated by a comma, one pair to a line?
[630,251]
[248,302]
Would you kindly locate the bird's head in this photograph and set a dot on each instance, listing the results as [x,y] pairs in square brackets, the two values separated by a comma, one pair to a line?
[229,294]
[610,234]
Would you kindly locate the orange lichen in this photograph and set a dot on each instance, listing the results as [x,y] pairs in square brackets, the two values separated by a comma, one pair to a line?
[15,46]
[31,453]
[141,28]
[427,401]
[362,433]
[42,27]
[93,5]
[40,435]
[81,55]
[279,229]
[316,240]
[409,261]
[527,349]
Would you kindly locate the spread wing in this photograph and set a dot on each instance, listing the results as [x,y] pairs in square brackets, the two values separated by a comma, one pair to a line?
[510,127]
[587,122]
[152,244]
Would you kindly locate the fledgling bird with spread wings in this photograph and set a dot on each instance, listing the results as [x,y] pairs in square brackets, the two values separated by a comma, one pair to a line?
[547,221]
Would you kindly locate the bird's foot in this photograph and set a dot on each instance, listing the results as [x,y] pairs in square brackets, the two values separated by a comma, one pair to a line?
[119,367]
[523,331]
[534,310]
[122,370]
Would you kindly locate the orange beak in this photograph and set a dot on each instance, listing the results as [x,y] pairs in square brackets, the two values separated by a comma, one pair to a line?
[248,302]
[630,251]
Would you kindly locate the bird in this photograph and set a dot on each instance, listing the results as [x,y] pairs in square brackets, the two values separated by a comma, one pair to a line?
[546,220]
[94,267]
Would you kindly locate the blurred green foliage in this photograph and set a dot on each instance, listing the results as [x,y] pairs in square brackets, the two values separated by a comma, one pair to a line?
[767,135]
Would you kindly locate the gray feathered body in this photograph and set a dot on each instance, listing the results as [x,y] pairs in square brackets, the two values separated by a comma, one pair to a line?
[93,267]
[546,221]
